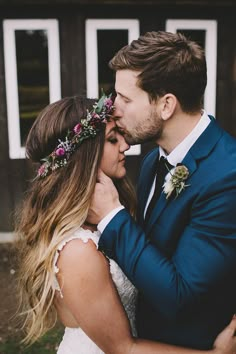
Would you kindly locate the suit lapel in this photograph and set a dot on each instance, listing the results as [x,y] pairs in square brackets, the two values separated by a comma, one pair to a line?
[200,150]
[146,178]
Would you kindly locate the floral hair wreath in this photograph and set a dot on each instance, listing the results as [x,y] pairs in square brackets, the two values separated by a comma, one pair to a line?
[87,128]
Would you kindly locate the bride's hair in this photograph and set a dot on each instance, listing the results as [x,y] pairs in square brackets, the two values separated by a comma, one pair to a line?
[54,206]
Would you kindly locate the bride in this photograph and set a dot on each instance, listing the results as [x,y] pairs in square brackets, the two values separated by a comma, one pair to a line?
[61,272]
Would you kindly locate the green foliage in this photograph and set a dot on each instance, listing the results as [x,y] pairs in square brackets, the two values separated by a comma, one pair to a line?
[47,345]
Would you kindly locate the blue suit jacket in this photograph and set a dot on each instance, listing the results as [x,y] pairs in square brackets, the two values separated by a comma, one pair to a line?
[184,261]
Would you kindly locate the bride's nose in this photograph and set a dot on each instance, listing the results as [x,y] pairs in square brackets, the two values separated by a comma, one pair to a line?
[123,145]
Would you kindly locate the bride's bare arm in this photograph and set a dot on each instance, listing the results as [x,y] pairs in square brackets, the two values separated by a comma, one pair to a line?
[90,295]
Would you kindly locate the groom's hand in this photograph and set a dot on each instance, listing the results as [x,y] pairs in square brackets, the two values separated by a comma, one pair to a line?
[225,343]
[104,200]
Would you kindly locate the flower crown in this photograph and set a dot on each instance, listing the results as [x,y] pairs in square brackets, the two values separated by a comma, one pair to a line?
[87,128]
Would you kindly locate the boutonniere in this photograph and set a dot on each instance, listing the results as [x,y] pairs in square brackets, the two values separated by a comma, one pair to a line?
[175,181]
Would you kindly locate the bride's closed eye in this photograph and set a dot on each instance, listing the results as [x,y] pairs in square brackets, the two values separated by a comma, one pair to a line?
[112,140]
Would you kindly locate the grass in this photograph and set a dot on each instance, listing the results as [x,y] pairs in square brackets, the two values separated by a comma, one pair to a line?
[47,345]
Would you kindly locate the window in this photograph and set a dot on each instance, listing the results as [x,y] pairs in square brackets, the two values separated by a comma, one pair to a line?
[205,33]
[104,37]
[32,75]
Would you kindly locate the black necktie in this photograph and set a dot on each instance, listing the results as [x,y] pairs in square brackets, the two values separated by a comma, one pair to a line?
[163,167]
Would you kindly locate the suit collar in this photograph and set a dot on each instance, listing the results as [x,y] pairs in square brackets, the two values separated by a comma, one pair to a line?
[206,142]
[179,152]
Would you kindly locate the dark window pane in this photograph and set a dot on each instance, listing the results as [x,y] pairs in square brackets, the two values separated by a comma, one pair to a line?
[32,74]
[109,42]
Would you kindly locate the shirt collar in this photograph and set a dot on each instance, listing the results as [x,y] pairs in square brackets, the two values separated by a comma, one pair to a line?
[178,154]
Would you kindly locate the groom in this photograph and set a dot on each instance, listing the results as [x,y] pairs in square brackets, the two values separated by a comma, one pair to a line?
[181,251]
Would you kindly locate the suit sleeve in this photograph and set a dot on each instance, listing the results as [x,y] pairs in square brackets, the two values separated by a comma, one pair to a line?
[205,254]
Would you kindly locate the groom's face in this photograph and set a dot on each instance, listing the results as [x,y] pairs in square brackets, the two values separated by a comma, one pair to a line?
[137,117]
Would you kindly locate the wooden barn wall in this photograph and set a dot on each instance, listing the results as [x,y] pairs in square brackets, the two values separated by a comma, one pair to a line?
[15,174]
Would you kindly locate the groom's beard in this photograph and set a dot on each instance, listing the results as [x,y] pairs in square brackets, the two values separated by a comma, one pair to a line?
[148,130]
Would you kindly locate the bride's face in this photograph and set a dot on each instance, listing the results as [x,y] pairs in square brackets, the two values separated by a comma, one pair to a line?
[113,158]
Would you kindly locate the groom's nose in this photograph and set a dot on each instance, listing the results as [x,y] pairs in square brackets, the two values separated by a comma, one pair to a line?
[117,114]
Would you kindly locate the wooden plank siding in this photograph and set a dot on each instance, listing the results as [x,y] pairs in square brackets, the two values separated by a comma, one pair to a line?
[71,14]
[183,3]
[6,202]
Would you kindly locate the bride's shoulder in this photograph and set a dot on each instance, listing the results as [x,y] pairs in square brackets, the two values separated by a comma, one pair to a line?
[75,247]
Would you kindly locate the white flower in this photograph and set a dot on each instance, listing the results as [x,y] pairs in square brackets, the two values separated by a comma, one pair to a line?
[175,181]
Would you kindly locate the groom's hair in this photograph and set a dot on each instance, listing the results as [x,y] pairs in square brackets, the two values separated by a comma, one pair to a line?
[168,63]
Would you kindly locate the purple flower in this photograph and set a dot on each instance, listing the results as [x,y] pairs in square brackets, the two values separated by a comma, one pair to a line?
[108,103]
[95,116]
[41,170]
[60,152]
[77,129]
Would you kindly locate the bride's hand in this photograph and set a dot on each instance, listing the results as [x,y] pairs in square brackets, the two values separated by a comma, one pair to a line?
[225,342]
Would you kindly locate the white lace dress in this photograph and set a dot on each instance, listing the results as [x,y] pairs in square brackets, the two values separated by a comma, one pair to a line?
[75,341]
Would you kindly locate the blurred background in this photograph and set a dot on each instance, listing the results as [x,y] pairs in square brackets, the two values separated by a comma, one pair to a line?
[55,48]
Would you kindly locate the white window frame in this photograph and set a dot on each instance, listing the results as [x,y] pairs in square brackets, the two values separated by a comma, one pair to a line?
[16,151]
[210,26]
[92,26]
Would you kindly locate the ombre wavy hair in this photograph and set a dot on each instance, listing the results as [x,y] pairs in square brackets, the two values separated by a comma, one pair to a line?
[53,207]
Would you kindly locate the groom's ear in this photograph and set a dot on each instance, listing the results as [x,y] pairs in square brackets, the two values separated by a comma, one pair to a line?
[168,106]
